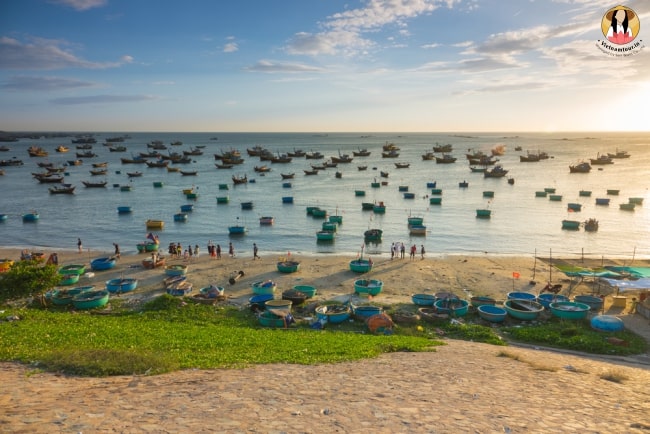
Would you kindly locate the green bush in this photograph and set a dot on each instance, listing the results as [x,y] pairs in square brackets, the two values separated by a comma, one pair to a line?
[27,278]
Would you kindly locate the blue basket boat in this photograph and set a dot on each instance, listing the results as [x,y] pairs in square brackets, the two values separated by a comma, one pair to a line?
[368,286]
[521,296]
[121,285]
[525,310]
[264,287]
[187,208]
[492,313]
[607,323]
[69,279]
[423,299]
[124,209]
[176,270]
[180,289]
[364,312]
[91,299]
[269,319]
[101,264]
[547,298]
[569,309]
[595,303]
[333,313]
[73,269]
[308,290]
[452,306]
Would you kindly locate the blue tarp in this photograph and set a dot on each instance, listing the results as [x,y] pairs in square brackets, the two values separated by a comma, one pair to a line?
[629,285]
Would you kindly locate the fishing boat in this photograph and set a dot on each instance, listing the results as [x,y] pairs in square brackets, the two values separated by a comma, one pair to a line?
[390,154]
[445,159]
[613,192]
[239,179]
[555,197]
[154,224]
[288,266]
[361,153]
[483,213]
[104,263]
[91,299]
[583,167]
[415,220]
[124,209]
[62,189]
[247,205]
[62,149]
[368,286]
[591,225]
[492,313]
[423,299]
[601,160]
[417,230]
[435,200]
[602,201]
[402,165]
[574,206]
[636,200]
[463,184]
[571,224]
[325,235]
[223,199]
[97,172]
[147,246]
[379,208]
[629,206]
[287,199]
[267,220]
[569,309]
[180,217]
[37,151]
[31,216]
[89,184]
[526,310]
[287,175]
[373,235]
[428,156]
[361,265]
[495,172]
[121,285]
[237,229]
[329,226]
[619,154]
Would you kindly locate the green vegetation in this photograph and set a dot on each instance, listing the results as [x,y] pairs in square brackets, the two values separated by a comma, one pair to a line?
[25,278]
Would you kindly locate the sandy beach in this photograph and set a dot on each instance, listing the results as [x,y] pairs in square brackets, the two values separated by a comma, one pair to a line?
[461,387]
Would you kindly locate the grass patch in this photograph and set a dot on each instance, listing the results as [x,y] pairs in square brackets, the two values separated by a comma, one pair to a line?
[536,366]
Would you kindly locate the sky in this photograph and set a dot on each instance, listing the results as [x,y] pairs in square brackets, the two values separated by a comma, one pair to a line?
[318,66]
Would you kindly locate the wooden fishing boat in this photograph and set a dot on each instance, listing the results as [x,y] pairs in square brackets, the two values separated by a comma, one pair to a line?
[601,160]
[583,167]
[492,313]
[402,165]
[569,309]
[417,230]
[154,224]
[310,172]
[67,189]
[445,159]
[373,234]
[526,310]
[288,266]
[91,299]
[361,153]
[89,184]
[267,220]
[104,263]
[189,172]
[368,286]
[239,179]
[495,172]
[62,149]
[37,151]
[287,175]
[121,285]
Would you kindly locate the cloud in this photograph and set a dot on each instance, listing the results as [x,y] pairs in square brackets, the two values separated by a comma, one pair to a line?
[26,83]
[343,32]
[273,67]
[81,5]
[101,99]
[40,53]
[230,47]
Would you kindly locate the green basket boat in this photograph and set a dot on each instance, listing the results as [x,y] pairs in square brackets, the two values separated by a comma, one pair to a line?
[69,279]
[361,265]
[368,286]
[73,269]
[288,266]
[91,299]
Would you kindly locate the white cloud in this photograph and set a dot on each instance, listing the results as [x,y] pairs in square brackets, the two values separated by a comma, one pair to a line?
[230,47]
[101,99]
[273,67]
[27,83]
[82,5]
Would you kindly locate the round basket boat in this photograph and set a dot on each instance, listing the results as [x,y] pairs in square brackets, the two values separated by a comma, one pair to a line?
[525,310]
[547,298]
[180,289]
[288,266]
[333,313]
[595,303]
[443,295]
[405,318]
[431,315]
[309,291]
[264,287]
[269,319]
[607,323]
[209,295]
[121,285]
[105,263]
[73,269]
[516,295]
[423,299]
[379,323]
[258,301]
[569,309]
[279,305]
[91,299]
[176,270]
[492,313]
[364,312]
[64,296]
[295,296]
[69,279]
[368,286]
[361,265]
[452,306]
[482,300]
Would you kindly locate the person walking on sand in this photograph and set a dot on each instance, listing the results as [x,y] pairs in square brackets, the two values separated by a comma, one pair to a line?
[189,251]
[79,245]
[255,255]
[414,250]
[402,250]
[179,251]
[196,251]
[117,250]
[422,251]
[231,250]
[218,251]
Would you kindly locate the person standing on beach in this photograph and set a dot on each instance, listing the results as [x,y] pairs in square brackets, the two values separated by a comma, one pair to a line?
[218,251]
[392,251]
[79,246]
[402,250]
[196,251]
[231,250]
[179,251]
[255,256]
[422,251]
[189,251]
[414,250]
[117,250]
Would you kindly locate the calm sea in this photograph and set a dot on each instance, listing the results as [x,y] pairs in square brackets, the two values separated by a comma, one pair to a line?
[520,224]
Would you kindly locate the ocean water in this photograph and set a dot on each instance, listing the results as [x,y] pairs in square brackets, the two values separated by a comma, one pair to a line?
[521,224]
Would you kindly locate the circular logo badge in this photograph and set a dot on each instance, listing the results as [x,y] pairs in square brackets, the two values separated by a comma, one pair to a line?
[620,25]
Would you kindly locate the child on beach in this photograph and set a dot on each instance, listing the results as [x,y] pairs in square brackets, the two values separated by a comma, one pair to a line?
[422,251]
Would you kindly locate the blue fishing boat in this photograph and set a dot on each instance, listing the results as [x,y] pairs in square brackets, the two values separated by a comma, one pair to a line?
[364,312]
[607,323]
[124,209]
[482,300]
[105,263]
[435,200]
[520,295]
[179,289]
[483,213]
[602,201]
[574,206]
[547,298]
[121,285]
[223,199]
[3,217]
[180,217]
[595,303]
[287,199]
[187,208]
[31,216]
[324,235]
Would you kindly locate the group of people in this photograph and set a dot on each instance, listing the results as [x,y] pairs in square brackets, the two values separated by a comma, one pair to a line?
[176,250]
[398,250]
